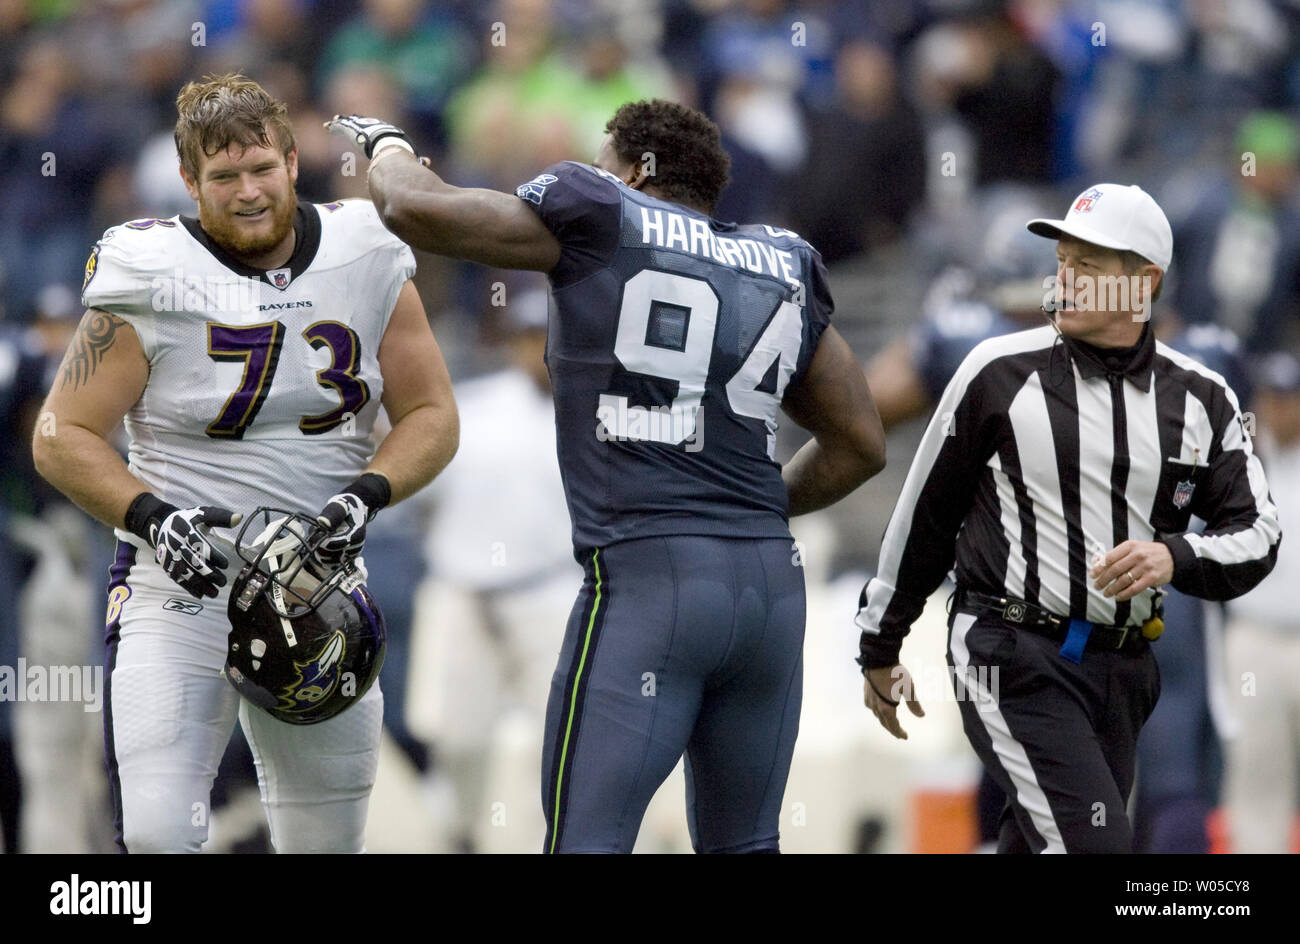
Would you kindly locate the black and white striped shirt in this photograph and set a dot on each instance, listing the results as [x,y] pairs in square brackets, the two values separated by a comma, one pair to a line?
[1042,454]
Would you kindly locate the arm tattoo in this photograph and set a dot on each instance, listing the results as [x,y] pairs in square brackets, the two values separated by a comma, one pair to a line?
[95,336]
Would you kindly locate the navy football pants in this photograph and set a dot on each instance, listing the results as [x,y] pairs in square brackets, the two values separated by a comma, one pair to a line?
[677,645]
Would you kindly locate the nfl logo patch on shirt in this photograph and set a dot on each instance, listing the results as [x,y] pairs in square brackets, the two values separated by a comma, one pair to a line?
[1183,494]
[279,278]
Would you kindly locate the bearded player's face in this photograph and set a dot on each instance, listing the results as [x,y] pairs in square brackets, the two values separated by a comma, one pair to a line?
[246,198]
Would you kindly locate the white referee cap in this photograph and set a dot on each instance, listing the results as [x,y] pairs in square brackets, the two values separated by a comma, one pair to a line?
[1117,217]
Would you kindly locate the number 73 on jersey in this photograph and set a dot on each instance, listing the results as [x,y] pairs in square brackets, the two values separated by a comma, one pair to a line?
[258,346]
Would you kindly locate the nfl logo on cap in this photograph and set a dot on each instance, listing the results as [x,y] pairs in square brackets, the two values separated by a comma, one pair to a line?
[1086,200]
[1115,216]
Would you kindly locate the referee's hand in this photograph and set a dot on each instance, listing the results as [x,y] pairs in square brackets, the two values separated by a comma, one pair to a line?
[1131,567]
[883,689]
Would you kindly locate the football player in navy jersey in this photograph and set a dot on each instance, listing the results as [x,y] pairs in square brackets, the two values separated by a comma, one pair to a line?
[1000,293]
[22,366]
[673,340]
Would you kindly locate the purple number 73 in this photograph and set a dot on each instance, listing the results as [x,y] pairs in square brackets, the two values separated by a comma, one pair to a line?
[341,374]
[258,346]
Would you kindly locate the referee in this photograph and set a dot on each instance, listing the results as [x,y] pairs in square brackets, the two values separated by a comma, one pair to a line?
[1059,475]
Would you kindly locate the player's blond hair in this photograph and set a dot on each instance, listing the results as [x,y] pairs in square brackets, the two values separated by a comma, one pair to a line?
[222,110]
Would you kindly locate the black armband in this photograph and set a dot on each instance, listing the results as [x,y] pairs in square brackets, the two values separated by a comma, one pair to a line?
[145,516]
[373,489]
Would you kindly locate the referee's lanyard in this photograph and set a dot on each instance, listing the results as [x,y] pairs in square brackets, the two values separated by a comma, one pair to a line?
[1075,640]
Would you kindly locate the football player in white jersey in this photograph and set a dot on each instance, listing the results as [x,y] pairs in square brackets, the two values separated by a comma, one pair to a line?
[248,351]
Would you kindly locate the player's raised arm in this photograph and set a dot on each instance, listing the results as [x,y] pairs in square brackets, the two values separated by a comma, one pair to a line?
[479,225]
[833,402]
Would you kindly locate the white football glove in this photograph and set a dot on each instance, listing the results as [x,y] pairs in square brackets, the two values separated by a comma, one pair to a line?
[179,537]
[372,135]
[344,518]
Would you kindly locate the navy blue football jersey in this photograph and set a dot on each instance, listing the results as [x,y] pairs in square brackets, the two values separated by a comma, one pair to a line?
[23,369]
[1221,350]
[672,340]
[941,342]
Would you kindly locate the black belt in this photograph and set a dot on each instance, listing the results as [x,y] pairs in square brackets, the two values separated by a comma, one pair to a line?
[1046,623]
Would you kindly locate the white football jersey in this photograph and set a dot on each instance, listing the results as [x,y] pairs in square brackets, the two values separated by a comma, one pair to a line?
[263,386]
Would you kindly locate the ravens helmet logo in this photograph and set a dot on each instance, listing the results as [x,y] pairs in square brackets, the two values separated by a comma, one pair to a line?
[317,677]
[302,648]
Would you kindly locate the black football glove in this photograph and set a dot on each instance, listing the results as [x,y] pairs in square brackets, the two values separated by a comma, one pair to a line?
[180,541]
[369,132]
[344,518]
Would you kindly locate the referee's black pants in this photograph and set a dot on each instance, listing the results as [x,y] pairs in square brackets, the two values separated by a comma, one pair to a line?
[1059,738]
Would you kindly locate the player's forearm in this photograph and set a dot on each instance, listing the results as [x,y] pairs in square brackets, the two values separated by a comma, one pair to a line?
[896,385]
[411,201]
[474,224]
[419,446]
[84,467]
[820,475]
[428,213]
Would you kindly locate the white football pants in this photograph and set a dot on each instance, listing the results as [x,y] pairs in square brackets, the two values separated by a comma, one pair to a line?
[171,713]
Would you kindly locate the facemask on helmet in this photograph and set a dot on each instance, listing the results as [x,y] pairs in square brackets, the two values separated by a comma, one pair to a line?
[305,643]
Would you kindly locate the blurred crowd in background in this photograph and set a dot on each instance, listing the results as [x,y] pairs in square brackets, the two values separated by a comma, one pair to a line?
[907,140]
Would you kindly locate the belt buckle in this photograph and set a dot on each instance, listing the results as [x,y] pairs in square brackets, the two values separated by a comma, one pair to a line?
[1123,636]
[1014,612]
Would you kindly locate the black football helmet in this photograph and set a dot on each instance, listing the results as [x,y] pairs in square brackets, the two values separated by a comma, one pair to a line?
[304,644]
